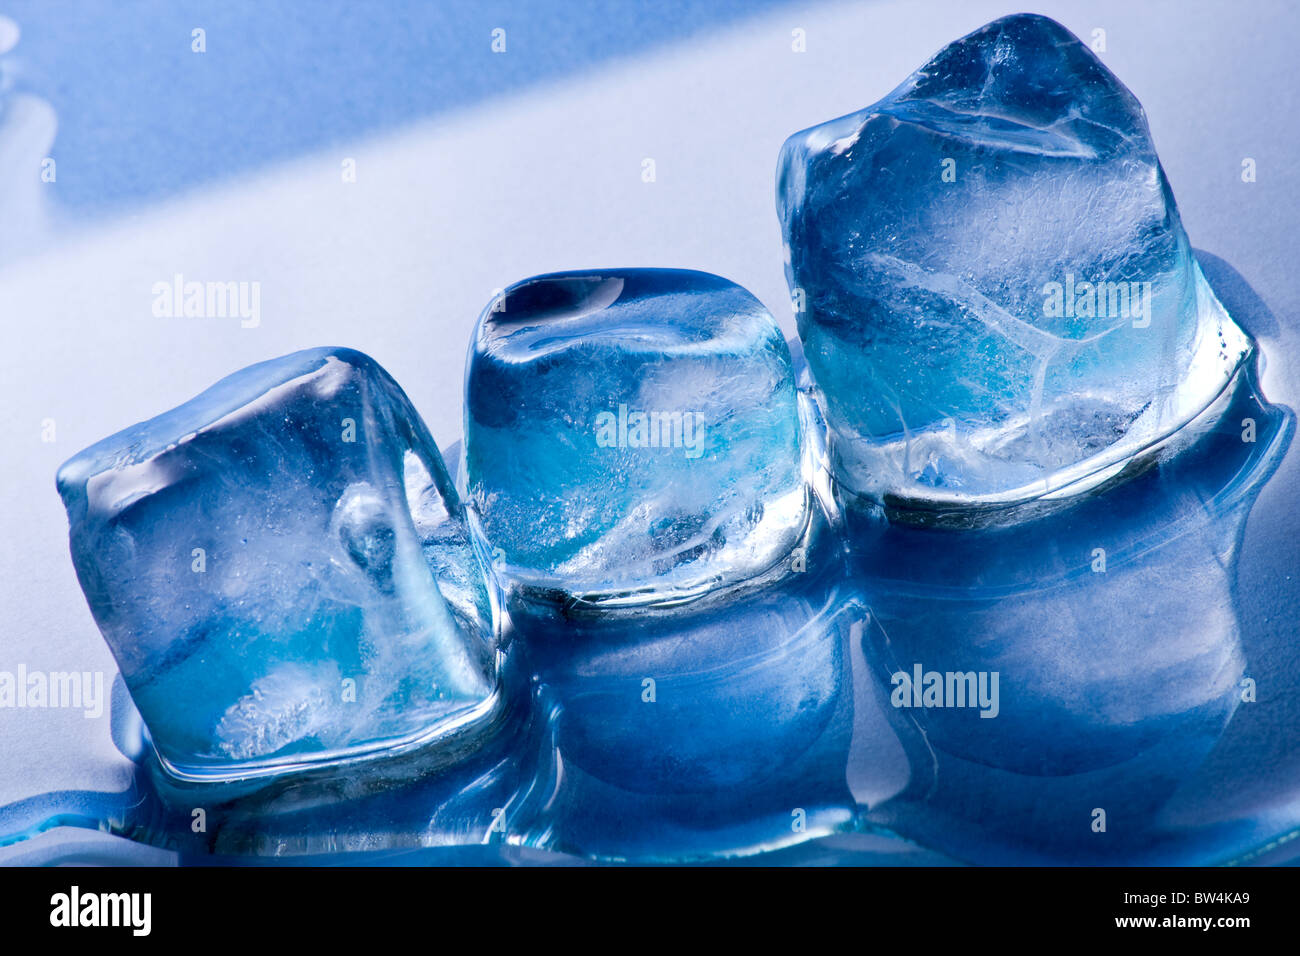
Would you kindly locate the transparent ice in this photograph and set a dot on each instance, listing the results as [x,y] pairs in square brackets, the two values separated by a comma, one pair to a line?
[283,570]
[760,718]
[632,434]
[998,300]
[244,558]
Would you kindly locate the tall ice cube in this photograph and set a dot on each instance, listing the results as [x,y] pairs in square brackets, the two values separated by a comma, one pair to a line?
[995,294]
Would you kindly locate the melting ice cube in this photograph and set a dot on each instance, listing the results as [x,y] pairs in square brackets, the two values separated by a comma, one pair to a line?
[998,300]
[283,570]
[633,434]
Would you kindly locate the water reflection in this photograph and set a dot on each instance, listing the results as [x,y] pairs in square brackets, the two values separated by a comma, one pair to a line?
[699,732]
[767,717]
[1114,632]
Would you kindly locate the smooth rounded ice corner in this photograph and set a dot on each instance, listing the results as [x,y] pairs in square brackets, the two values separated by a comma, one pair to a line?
[284,572]
[632,437]
[1002,311]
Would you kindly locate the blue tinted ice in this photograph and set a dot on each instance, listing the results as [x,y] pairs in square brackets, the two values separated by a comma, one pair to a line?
[633,434]
[1001,307]
[761,718]
[998,300]
[283,570]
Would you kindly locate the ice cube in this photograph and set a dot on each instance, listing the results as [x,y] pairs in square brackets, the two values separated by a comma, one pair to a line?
[283,570]
[633,435]
[997,298]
